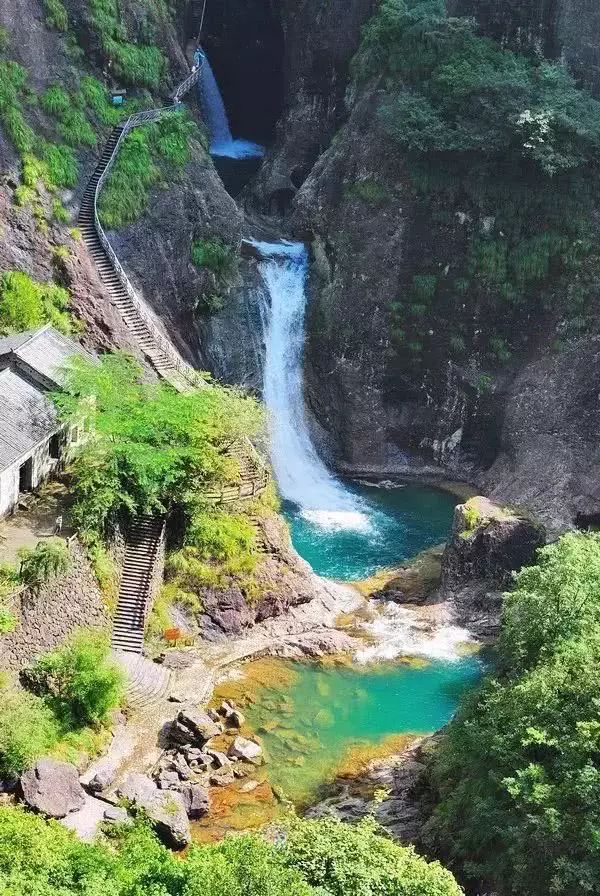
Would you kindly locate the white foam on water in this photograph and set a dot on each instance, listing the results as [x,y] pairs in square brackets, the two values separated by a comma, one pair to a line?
[400,631]
[301,475]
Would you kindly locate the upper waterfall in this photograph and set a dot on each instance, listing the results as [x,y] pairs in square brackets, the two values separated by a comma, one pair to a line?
[222,142]
[301,475]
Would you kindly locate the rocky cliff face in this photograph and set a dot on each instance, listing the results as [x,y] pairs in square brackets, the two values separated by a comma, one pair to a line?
[558,29]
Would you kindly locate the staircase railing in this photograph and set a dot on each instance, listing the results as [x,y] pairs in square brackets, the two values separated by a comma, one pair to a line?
[140,118]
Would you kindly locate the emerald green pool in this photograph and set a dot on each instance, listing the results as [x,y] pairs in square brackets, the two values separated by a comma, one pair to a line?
[390,525]
[311,723]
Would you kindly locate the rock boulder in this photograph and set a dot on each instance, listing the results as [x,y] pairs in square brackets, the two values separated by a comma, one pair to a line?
[166,809]
[245,749]
[52,788]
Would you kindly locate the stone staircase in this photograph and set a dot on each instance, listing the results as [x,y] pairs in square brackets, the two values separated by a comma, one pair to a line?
[148,683]
[144,541]
[138,326]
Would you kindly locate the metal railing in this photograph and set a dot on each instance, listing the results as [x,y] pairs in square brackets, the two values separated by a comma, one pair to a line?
[164,344]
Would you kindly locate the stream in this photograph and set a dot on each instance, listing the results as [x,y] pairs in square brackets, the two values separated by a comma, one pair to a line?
[317,720]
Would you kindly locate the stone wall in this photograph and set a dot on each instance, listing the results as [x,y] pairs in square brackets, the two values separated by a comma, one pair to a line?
[47,617]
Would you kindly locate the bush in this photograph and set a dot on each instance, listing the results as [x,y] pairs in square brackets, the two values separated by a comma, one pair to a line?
[56,15]
[41,857]
[518,773]
[154,448]
[27,730]
[61,165]
[79,681]
[46,561]
[215,255]
[96,97]
[26,304]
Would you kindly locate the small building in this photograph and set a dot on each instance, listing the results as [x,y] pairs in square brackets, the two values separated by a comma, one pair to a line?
[33,441]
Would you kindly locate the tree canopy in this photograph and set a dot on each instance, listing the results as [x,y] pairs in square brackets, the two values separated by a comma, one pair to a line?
[311,858]
[519,771]
[149,448]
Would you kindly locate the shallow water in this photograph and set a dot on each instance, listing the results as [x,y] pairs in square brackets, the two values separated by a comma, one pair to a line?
[400,523]
[326,719]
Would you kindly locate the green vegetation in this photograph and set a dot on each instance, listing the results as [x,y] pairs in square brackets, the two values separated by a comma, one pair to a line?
[158,152]
[140,64]
[215,255]
[43,858]
[26,304]
[153,449]
[220,259]
[69,689]
[518,773]
[78,681]
[368,190]
[502,150]
[56,15]
[39,565]
[73,125]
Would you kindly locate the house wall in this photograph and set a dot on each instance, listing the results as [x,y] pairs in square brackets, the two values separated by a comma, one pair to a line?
[43,467]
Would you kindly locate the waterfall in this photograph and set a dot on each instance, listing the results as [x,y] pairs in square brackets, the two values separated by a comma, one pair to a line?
[302,476]
[214,113]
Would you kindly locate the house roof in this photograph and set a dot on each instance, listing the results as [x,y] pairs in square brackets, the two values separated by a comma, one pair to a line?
[44,351]
[27,417]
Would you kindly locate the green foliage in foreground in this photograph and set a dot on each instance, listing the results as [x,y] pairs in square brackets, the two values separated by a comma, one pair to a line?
[79,680]
[510,143]
[316,859]
[519,771]
[26,304]
[72,687]
[153,449]
[156,152]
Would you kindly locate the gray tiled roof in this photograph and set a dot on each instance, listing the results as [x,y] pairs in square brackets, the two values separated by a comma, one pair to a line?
[27,417]
[44,350]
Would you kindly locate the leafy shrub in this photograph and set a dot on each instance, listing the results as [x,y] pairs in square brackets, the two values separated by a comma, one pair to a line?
[79,680]
[215,255]
[56,15]
[42,857]
[55,101]
[154,448]
[518,772]
[97,99]
[27,730]
[61,165]
[26,304]
[46,561]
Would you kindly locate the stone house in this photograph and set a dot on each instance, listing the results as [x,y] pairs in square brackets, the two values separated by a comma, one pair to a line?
[33,442]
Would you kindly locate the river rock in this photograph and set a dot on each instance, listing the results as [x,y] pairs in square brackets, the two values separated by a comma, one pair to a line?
[223,777]
[232,715]
[168,779]
[219,759]
[116,815]
[193,726]
[52,788]
[102,775]
[245,749]
[165,808]
[196,800]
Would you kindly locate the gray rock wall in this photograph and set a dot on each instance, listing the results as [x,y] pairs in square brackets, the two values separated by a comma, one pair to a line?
[45,618]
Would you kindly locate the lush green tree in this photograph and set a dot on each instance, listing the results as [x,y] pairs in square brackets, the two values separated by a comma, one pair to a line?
[343,860]
[26,304]
[519,771]
[39,858]
[39,565]
[28,729]
[79,680]
[151,448]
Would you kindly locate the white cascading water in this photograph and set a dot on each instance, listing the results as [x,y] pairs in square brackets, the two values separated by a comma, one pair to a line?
[222,142]
[301,475]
